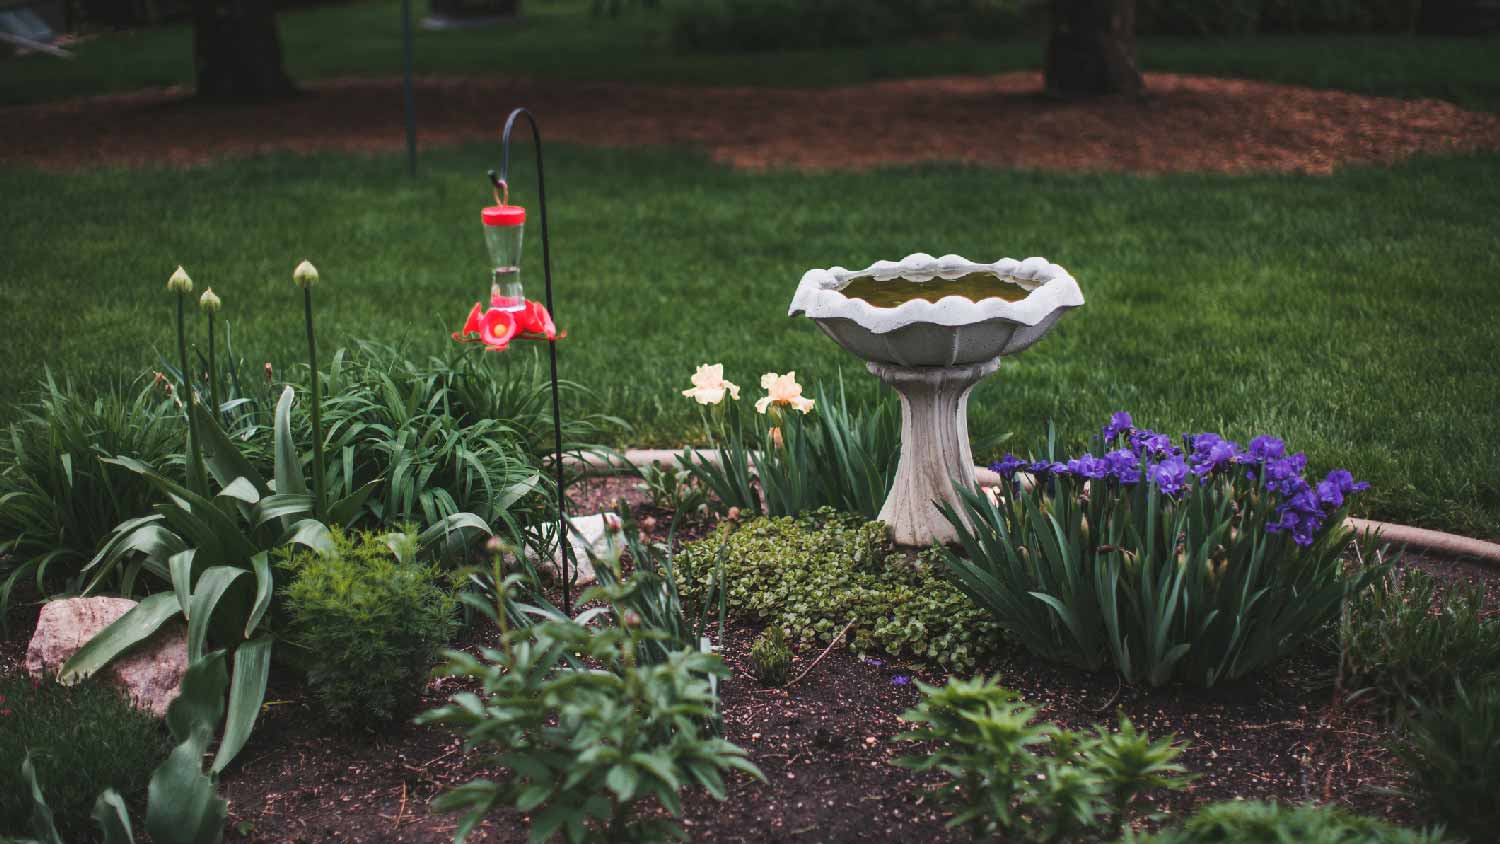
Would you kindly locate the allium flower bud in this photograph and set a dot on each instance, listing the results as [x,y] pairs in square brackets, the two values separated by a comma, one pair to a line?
[269,376]
[632,618]
[179,282]
[306,275]
[648,524]
[495,545]
[733,515]
[209,301]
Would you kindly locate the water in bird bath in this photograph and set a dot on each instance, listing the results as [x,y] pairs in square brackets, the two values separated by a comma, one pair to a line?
[895,290]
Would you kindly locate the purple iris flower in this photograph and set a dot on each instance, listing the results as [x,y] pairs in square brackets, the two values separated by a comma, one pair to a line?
[1169,476]
[1088,466]
[1284,474]
[901,680]
[1210,456]
[1329,494]
[1007,466]
[1266,448]
[1344,481]
[1040,469]
[1151,444]
[1123,465]
[1119,423]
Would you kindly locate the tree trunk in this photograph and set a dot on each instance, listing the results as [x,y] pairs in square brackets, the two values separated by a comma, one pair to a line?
[237,52]
[1091,49]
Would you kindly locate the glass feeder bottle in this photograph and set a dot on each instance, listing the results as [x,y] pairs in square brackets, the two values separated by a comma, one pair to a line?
[503,227]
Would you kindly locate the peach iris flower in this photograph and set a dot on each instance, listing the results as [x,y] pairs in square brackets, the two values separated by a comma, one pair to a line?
[782,389]
[709,385]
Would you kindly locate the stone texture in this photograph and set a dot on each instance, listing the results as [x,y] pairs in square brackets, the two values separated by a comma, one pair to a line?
[588,536]
[150,674]
[935,452]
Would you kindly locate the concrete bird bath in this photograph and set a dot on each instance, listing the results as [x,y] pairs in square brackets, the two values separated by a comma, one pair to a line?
[933,328]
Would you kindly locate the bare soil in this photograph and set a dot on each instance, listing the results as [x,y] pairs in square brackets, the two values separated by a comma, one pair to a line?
[824,743]
[1184,123]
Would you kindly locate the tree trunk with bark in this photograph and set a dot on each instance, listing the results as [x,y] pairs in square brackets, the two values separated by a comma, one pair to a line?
[1091,49]
[237,51]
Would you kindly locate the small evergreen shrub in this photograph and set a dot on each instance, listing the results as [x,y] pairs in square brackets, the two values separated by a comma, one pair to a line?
[812,575]
[1014,779]
[1406,638]
[82,740]
[371,621]
[1250,822]
[770,658]
[1452,755]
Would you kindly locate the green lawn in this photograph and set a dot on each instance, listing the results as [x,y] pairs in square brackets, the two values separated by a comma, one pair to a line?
[559,40]
[1352,314]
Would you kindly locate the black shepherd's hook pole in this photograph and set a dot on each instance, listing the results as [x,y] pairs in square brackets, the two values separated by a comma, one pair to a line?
[565,547]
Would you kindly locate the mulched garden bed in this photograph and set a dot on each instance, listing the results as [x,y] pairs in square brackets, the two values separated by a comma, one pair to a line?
[1185,123]
[824,743]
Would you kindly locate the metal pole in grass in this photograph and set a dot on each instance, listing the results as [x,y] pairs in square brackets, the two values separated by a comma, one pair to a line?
[411,108]
[565,548]
[511,316]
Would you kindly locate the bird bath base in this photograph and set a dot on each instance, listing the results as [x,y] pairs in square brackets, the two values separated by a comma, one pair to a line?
[935,452]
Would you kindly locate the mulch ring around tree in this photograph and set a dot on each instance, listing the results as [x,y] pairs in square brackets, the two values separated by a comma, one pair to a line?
[1185,123]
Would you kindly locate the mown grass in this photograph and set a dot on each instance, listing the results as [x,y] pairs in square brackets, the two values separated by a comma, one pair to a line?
[1351,314]
[560,40]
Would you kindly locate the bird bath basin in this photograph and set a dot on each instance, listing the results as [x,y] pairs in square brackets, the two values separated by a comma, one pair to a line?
[933,328]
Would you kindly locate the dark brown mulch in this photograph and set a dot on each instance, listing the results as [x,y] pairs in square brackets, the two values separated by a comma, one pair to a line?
[825,744]
[1186,123]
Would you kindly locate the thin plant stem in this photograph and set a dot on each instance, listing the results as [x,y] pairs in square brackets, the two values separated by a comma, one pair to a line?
[213,373]
[319,500]
[195,452]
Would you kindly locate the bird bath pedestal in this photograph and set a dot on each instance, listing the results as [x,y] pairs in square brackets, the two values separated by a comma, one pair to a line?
[933,328]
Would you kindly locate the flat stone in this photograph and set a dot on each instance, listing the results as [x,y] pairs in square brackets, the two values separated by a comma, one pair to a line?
[150,674]
[589,536]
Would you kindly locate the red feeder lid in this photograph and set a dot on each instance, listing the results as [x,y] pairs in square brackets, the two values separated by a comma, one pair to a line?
[503,215]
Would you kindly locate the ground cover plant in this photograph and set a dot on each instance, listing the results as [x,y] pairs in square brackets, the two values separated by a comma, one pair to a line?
[1452,754]
[592,735]
[1250,822]
[1248,257]
[820,573]
[81,740]
[1200,563]
[562,40]
[1407,638]
[1005,788]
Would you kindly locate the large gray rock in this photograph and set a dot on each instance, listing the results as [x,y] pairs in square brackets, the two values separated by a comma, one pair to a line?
[150,674]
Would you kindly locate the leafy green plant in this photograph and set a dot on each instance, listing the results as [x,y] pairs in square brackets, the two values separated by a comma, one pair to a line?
[80,740]
[673,489]
[58,498]
[1406,639]
[371,620]
[770,658]
[183,805]
[1451,752]
[815,574]
[1170,565]
[1003,788]
[1254,822]
[588,734]
[784,464]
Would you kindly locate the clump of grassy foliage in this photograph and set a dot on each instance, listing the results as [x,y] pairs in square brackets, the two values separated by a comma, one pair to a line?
[82,740]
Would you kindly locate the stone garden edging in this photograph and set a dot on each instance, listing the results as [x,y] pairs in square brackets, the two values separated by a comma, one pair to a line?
[1449,544]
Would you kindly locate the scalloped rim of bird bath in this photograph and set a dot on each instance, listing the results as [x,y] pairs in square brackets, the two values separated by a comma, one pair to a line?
[1048,287]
